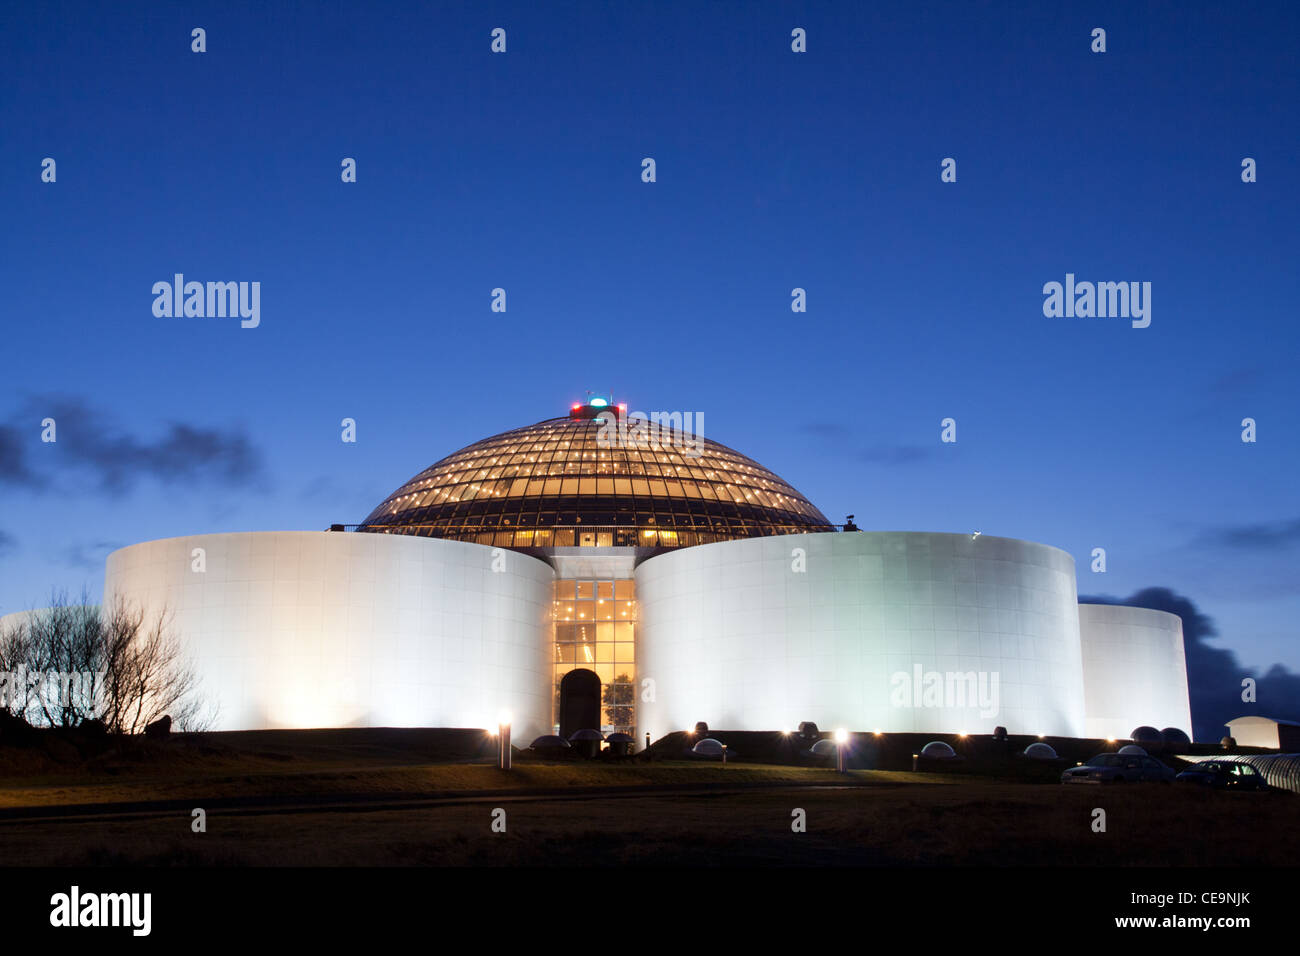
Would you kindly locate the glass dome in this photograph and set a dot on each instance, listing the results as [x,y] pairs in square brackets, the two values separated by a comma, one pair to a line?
[579,481]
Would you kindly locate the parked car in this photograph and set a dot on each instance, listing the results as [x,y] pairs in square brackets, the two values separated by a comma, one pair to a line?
[1224,775]
[1119,768]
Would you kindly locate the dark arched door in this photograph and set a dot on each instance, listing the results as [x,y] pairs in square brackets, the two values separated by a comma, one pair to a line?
[579,701]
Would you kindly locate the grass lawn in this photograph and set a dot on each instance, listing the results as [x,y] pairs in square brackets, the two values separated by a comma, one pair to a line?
[408,798]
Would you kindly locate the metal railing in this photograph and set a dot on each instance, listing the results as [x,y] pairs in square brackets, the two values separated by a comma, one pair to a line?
[587,535]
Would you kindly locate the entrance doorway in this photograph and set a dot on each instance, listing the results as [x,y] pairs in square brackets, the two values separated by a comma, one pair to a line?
[579,701]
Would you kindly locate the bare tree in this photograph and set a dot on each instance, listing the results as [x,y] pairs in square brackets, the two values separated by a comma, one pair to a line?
[69,663]
[15,652]
[62,655]
[145,673]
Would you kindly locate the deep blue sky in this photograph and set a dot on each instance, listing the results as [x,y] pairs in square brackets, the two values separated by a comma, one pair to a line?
[775,170]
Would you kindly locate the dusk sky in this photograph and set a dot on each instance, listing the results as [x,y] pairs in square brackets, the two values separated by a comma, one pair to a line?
[775,170]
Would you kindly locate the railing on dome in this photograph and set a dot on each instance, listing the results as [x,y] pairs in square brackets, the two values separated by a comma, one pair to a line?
[587,535]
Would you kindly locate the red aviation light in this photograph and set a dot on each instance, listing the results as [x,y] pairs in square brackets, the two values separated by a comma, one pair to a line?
[595,408]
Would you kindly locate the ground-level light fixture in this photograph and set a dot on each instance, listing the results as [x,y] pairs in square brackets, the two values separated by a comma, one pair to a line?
[841,738]
[503,740]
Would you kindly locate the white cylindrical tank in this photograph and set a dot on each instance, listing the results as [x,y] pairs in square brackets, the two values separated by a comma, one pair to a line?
[898,631]
[1134,670]
[330,629]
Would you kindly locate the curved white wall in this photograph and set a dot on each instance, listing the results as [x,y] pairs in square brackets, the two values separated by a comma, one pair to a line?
[17,617]
[731,634]
[1134,670]
[331,629]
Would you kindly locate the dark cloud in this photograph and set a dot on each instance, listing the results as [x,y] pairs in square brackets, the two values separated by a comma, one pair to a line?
[881,454]
[322,486]
[343,503]
[1238,380]
[894,454]
[825,429]
[115,459]
[90,555]
[13,462]
[1214,674]
[1272,536]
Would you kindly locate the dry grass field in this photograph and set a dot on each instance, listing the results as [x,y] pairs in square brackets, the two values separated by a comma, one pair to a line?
[335,798]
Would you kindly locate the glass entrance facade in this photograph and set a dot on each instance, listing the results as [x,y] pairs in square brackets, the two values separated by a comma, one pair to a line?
[595,629]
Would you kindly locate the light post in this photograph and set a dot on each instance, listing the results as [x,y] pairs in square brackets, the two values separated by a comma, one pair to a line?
[503,741]
[841,739]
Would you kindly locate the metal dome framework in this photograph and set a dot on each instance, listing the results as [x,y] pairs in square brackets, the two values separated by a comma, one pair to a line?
[563,483]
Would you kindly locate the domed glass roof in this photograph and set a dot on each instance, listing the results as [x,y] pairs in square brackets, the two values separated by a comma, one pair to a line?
[578,481]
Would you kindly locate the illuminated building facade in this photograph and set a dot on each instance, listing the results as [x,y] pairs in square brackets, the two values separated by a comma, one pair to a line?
[684,580]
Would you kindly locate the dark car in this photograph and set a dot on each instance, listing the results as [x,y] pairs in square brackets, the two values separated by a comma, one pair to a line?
[1224,775]
[1119,768]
